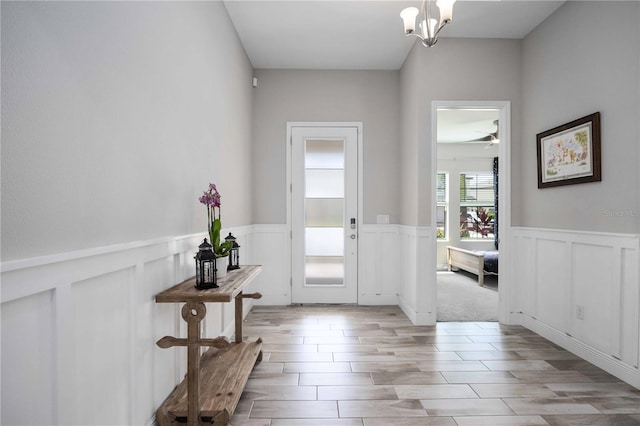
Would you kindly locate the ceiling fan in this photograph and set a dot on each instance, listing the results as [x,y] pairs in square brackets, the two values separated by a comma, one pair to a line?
[490,138]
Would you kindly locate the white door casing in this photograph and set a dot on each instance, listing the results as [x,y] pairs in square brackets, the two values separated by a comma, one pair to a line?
[505,303]
[324,214]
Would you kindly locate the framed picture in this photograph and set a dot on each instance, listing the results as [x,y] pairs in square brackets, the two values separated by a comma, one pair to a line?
[570,153]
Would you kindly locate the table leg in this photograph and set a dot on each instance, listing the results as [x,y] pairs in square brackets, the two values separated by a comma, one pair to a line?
[193,313]
[239,308]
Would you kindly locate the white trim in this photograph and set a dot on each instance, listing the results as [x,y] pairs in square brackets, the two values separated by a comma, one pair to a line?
[504,191]
[12,265]
[587,237]
[378,299]
[408,310]
[21,278]
[614,366]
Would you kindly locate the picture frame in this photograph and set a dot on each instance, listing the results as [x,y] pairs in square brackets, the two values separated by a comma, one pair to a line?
[570,153]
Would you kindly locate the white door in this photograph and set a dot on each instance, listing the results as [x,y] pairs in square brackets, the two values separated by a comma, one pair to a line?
[324,214]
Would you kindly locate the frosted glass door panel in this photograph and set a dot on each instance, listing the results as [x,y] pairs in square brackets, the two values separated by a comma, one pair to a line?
[324,183]
[327,212]
[324,241]
[324,270]
[324,212]
[324,154]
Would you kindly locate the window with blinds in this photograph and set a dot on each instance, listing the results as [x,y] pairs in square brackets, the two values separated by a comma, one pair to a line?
[477,209]
[442,201]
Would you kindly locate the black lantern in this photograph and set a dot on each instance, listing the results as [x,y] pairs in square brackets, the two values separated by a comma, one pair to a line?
[234,254]
[206,272]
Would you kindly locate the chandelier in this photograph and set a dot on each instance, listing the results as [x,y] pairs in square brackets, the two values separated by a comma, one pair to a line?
[429,26]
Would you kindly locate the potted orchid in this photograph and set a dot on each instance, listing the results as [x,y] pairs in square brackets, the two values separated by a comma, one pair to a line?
[211,199]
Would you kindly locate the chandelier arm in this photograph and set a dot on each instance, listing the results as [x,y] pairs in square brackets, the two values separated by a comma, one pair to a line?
[444,24]
[415,34]
[428,42]
[431,40]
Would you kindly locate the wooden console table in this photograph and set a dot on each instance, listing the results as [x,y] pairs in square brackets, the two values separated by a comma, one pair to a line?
[215,380]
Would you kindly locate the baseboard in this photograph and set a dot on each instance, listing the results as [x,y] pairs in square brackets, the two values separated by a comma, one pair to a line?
[273,300]
[407,309]
[608,363]
[378,299]
[563,272]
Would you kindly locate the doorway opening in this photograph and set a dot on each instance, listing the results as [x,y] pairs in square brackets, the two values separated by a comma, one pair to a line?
[469,214]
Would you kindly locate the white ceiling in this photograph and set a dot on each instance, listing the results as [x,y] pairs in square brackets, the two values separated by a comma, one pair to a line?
[457,125]
[363,34]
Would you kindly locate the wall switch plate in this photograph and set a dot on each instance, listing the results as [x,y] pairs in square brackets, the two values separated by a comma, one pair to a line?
[382,219]
[580,312]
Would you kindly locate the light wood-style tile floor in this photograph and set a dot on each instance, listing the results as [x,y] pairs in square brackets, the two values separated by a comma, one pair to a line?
[369,366]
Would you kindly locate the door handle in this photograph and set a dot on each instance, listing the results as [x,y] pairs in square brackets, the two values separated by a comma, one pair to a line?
[353,236]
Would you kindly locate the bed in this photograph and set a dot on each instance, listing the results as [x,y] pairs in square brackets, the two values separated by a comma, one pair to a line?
[476,262]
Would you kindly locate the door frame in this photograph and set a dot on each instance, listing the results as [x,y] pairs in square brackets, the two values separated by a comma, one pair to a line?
[505,296]
[289,185]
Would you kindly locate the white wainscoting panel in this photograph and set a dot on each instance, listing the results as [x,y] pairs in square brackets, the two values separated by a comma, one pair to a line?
[388,266]
[582,291]
[101,318]
[382,264]
[380,269]
[270,247]
[417,297]
[407,294]
[552,291]
[28,356]
[79,331]
[79,326]
[387,273]
[426,278]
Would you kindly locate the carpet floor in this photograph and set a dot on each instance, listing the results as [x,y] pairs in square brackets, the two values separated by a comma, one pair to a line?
[461,299]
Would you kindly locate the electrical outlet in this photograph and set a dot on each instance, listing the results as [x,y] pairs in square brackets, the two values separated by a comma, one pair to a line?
[580,312]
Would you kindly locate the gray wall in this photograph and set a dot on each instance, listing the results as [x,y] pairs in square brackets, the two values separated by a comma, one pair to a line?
[115,116]
[570,71]
[455,69]
[371,97]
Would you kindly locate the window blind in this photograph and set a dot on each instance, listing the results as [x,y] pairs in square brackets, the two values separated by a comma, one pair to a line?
[476,189]
[441,189]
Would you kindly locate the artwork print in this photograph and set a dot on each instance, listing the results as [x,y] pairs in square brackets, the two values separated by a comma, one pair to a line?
[570,153]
